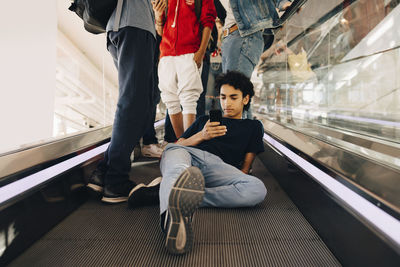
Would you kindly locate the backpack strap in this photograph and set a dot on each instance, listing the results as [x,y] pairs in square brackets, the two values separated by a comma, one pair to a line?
[118,15]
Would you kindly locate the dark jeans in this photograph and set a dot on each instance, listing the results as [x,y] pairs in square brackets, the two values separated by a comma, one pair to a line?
[132,50]
[169,134]
[149,136]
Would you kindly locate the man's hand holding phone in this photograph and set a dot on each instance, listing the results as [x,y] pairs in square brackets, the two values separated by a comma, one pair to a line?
[213,127]
[212,130]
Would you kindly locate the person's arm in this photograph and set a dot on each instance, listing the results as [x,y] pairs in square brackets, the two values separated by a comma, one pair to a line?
[207,21]
[159,8]
[248,160]
[205,38]
[255,146]
[210,130]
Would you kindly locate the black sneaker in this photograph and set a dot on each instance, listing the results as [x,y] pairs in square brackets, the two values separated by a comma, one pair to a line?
[117,193]
[96,181]
[143,195]
[185,197]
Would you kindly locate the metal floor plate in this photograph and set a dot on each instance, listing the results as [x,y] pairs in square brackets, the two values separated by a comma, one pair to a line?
[273,233]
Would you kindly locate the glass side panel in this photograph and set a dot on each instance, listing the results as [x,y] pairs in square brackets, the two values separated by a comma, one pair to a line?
[332,73]
[56,78]
[336,64]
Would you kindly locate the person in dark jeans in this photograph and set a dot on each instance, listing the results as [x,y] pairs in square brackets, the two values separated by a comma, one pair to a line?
[131,45]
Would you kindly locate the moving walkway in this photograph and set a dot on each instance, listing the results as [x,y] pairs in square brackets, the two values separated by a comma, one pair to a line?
[331,166]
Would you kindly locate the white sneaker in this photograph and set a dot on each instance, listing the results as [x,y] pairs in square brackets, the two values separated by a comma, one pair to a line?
[151,151]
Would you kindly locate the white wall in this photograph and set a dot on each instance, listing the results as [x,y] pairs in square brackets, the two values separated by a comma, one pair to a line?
[27,71]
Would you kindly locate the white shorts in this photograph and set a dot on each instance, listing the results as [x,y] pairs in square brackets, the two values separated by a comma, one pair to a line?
[179,83]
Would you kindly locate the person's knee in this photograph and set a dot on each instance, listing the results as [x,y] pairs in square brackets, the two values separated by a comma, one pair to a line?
[174,148]
[256,193]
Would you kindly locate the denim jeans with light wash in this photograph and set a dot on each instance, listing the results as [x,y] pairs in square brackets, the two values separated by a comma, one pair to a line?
[225,185]
[242,54]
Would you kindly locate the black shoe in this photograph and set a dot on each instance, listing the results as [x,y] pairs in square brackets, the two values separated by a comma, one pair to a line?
[143,195]
[116,193]
[96,181]
[185,197]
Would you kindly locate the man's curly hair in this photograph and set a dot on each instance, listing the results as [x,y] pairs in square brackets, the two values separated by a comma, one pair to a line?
[238,81]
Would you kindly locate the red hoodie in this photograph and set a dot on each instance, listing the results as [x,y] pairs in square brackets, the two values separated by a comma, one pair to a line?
[184,36]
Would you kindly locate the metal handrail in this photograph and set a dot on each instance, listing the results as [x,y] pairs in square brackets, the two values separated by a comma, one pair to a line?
[19,160]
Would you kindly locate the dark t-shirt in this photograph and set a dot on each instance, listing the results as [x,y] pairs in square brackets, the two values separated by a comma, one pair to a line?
[242,136]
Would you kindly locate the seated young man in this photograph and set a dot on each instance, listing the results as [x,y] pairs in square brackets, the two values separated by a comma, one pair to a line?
[209,165]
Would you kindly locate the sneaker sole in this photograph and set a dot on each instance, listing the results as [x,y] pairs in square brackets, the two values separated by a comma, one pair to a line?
[95,187]
[114,200]
[185,197]
[145,194]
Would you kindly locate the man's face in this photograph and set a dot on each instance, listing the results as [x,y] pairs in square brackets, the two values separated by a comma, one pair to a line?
[232,101]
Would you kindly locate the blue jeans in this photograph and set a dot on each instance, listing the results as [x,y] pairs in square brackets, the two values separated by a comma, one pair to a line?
[225,185]
[132,50]
[241,53]
[213,102]
[250,49]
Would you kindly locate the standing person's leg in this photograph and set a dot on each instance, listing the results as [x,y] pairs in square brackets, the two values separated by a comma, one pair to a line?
[167,75]
[96,179]
[149,136]
[150,146]
[212,101]
[189,87]
[228,187]
[250,47]
[169,134]
[134,51]
[201,103]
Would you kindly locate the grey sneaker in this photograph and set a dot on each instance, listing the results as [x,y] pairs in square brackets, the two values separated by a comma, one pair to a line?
[185,197]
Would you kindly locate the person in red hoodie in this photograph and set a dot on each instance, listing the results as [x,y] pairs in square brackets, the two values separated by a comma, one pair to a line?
[185,36]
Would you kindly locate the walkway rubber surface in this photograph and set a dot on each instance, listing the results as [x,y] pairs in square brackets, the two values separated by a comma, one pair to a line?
[273,233]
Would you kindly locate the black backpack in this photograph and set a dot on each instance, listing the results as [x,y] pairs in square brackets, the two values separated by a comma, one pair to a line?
[96,13]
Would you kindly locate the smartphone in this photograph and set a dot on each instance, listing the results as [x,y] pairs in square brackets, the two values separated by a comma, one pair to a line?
[215,115]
